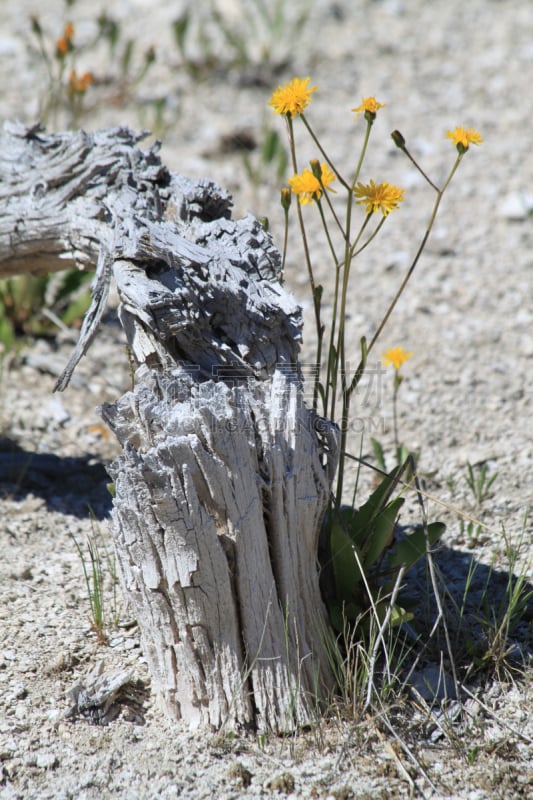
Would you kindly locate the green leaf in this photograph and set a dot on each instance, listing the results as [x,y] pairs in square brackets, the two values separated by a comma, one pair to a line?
[180,27]
[127,55]
[400,615]
[383,534]
[271,146]
[367,513]
[76,309]
[7,334]
[336,616]
[321,391]
[345,564]
[413,547]
[379,454]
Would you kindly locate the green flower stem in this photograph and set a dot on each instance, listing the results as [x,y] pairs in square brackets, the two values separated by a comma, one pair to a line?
[46,58]
[316,294]
[346,397]
[326,231]
[440,193]
[332,365]
[362,155]
[340,360]
[354,252]
[419,168]
[285,243]
[323,152]
[344,295]
[337,272]
[340,364]
[397,381]
[334,215]
[348,255]
[366,349]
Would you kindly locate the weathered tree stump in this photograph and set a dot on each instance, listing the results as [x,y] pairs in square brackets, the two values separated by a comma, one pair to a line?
[225,473]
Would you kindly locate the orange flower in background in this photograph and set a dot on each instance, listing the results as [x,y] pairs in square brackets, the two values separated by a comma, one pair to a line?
[395,356]
[64,43]
[79,84]
[308,187]
[292,98]
[62,47]
[383,197]
[464,137]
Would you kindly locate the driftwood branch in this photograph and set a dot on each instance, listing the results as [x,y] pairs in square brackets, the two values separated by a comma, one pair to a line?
[225,474]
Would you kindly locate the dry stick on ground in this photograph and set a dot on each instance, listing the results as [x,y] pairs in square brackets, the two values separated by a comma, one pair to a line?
[224,474]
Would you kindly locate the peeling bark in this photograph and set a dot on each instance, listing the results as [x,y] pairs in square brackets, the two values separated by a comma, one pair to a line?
[225,474]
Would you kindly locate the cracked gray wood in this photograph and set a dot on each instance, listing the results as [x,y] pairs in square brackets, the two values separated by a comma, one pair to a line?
[225,474]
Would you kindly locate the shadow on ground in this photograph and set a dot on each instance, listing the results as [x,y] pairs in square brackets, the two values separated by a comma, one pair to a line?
[76,486]
[488,611]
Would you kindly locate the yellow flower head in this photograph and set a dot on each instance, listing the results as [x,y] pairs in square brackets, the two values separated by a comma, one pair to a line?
[384,197]
[463,137]
[395,356]
[292,98]
[308,187]
[369,105]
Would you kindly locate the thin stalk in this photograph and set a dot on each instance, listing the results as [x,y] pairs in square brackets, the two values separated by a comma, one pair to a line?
[348,254]
[397,381]
[326,231]
[341,360]
[323,152]
[419,168]
[332,364]
[440,193]
[307,255]
[325,397]
[362,155]
[334,215]
[355,253]
[344,297]
[360,369]
[285,243]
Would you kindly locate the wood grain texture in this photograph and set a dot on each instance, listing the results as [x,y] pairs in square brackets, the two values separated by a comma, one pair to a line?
[225,474]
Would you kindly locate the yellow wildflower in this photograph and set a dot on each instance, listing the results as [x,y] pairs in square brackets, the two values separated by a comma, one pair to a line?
[308,187]
[463,137]
[395,356]
[370,105]
[292,98]
[384,197]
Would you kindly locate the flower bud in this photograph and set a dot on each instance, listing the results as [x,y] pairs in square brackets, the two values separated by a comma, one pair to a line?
[316,169]
[36,25]
[286,197]
[398,139]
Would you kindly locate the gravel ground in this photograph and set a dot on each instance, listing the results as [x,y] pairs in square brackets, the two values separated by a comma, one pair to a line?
[467,317]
